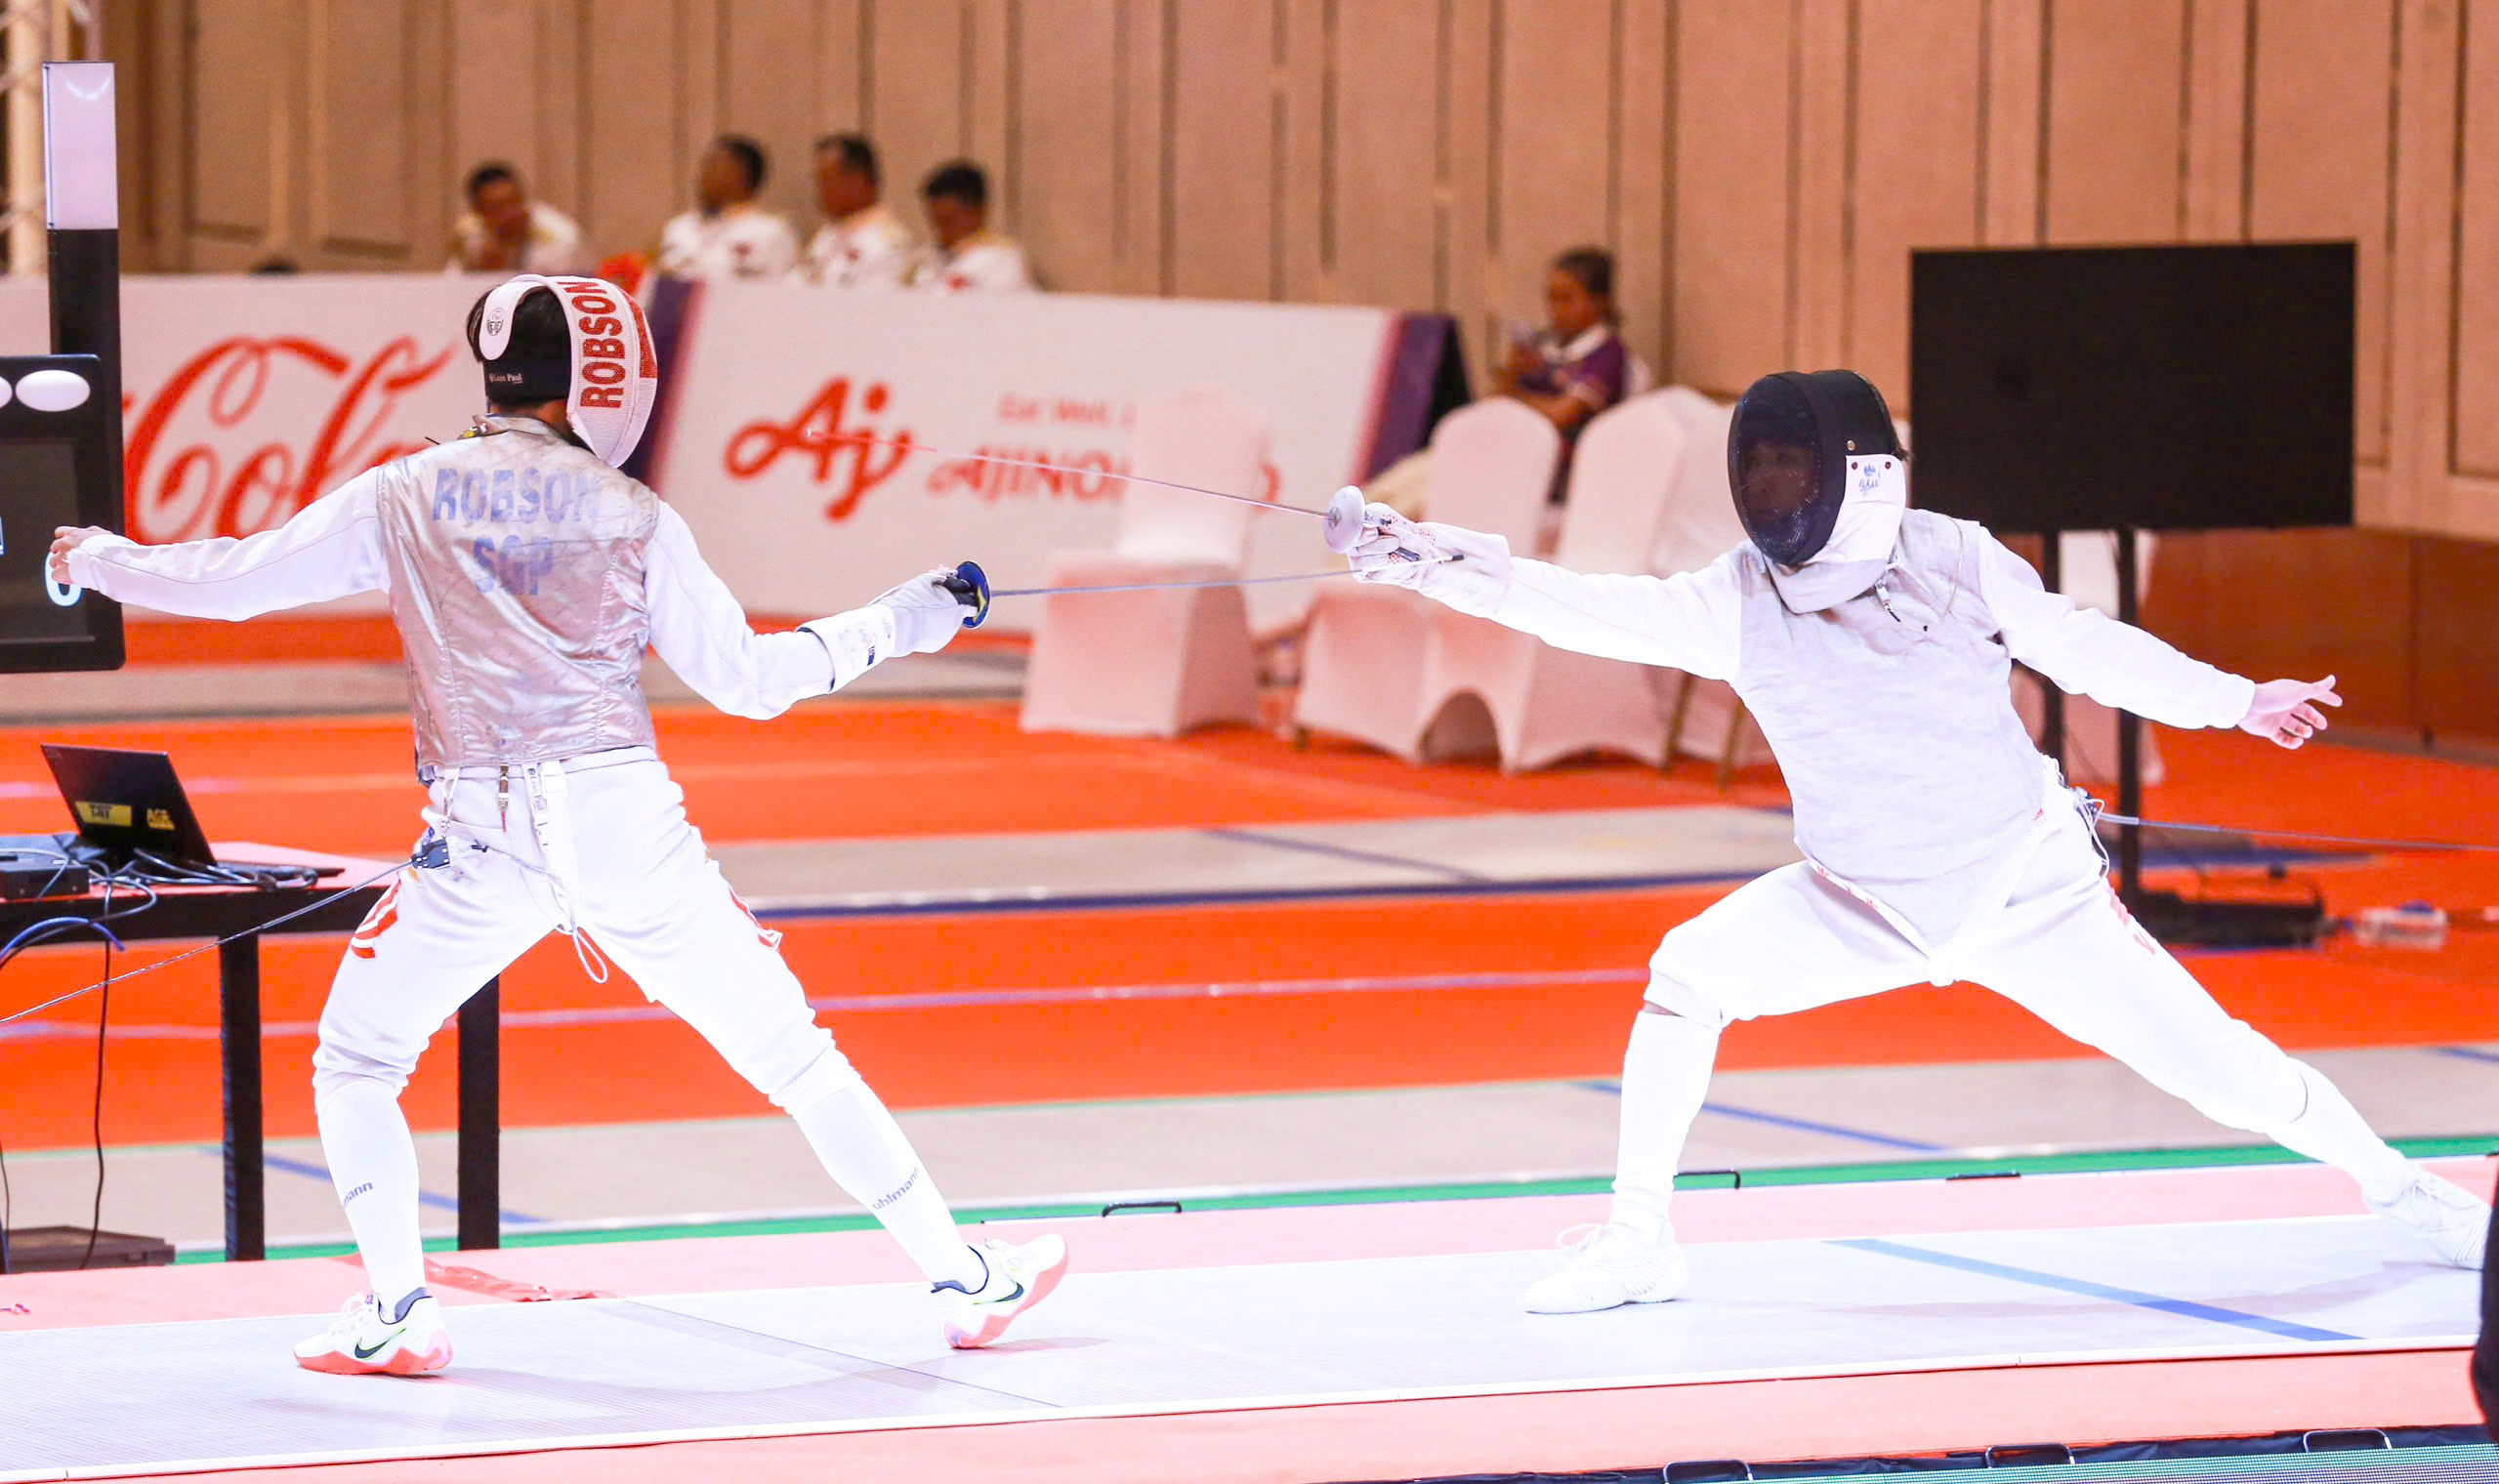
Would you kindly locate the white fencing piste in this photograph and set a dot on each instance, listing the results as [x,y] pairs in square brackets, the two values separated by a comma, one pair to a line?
[93,1403]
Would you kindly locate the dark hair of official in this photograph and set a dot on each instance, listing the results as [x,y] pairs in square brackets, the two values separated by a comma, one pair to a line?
[536,364]
[748,154]
[487,174]
[957,181]
[858,155]
[1594,268]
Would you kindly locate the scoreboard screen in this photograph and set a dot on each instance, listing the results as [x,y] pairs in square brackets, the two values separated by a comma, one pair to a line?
[56,469]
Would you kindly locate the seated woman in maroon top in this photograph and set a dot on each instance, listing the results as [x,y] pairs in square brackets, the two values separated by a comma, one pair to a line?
[1578,366]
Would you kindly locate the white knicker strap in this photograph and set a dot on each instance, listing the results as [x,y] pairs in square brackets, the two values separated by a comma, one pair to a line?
[551,821]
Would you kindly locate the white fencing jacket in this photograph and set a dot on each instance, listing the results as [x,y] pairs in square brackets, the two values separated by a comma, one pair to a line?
[527,578]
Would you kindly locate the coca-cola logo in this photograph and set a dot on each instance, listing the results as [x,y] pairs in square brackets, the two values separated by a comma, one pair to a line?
[182,485]
[823,431]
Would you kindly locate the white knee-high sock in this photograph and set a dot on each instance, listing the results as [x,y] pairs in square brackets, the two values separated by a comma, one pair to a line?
[1665,1076]
[867,1155]
[2330,1130]
[373,1162]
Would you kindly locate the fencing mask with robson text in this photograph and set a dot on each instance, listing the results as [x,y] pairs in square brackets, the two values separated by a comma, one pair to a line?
[1816,467]
[610,379]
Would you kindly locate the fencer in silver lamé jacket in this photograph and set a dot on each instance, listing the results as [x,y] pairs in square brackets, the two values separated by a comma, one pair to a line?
[527,579]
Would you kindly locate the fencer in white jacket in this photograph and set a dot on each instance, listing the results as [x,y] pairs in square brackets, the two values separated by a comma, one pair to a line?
[527,576]
[1874,645]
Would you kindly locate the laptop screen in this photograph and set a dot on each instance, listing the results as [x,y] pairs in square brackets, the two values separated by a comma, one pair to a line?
[128,802]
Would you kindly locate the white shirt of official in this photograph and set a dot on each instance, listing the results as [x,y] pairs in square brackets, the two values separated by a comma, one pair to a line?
[553,247]
[868,249]
[983,262]
[741,242]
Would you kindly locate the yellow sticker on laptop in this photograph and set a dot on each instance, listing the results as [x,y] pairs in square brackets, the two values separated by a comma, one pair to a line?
[112,815]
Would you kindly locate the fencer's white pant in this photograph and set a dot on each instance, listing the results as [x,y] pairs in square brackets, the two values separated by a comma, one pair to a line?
[599,845]
[603,843]
[2056,941]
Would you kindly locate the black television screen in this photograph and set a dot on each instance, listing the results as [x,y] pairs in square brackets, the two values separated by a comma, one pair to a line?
[2162,387]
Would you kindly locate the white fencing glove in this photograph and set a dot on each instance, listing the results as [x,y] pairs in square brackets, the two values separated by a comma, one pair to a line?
[926,616]
[1469,570]
[2281,711]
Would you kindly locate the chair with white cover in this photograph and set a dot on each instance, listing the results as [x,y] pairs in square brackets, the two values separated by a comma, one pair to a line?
[1547,704]
[2087,573]
[1157,663]
[1364,653]
[1704,718]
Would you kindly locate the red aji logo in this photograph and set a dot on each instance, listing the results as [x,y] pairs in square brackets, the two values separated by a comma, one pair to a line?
[819,432]
[193,494]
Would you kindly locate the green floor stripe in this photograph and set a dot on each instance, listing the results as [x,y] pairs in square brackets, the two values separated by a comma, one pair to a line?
[1801,1174]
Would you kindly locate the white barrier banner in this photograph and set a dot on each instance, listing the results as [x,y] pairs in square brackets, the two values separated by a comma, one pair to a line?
[245,399]
[815,440]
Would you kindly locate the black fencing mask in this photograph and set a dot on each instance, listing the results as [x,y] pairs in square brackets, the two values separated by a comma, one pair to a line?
[1795,449]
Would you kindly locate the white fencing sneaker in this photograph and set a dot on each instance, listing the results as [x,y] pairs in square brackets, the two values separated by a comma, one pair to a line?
[1021,1275]
[2444,1215]
[363,1340]
[1610,1265]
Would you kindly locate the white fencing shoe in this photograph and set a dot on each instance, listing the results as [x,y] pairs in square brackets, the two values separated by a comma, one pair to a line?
[1021,1275]
[1610,1265]
[2442,1213]
[363,1340]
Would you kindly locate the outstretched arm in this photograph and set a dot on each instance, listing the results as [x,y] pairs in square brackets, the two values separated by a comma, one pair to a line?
[1690,621]
[330,549]
[698,627]
[2088,652]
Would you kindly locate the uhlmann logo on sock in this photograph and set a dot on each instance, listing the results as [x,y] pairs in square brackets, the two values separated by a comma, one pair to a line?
[890,1197]
[358,1191]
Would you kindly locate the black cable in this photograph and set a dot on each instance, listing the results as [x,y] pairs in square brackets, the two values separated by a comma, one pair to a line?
[104,1016]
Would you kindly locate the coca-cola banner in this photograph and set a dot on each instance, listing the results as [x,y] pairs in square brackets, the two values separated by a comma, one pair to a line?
[824,446]
[245,399]
[817,441]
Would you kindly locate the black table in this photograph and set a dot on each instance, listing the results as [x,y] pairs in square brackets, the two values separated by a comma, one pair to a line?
[339,902]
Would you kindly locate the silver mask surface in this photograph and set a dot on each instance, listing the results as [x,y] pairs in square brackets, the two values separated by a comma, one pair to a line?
[516,568]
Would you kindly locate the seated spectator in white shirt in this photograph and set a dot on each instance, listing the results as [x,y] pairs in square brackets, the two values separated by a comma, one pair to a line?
[504,231]
[728,235]
[969,255]
[862,244]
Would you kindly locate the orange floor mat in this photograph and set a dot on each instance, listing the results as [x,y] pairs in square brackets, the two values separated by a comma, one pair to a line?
[875,769]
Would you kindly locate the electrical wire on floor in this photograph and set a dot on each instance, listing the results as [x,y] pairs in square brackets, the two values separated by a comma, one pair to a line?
[144,874]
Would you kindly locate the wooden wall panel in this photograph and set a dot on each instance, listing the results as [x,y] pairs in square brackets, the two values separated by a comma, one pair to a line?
[362,110]
[2012,100]
[1382,217]
[1733,129]
[1554,144]
[771,60]
[1222,106]
[1919,78]
[1643,237]
[2456,617]
[2476,264]
[2353,588]
[917,53]
[237,186]
[2323,73]
[496,101]
[638,165]
[2114,120]
[1074,144]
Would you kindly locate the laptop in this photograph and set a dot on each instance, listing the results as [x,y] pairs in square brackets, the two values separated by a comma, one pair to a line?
[128,802]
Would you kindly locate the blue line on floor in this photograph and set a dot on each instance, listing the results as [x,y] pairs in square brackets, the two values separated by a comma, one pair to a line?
[2466,1052]
[2182,1307]
[1094,900]
[1344,852]
[1800,1125]
[307,1168]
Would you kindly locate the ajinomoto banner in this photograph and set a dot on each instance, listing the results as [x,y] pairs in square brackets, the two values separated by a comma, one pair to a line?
[824,446]
[821,443]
